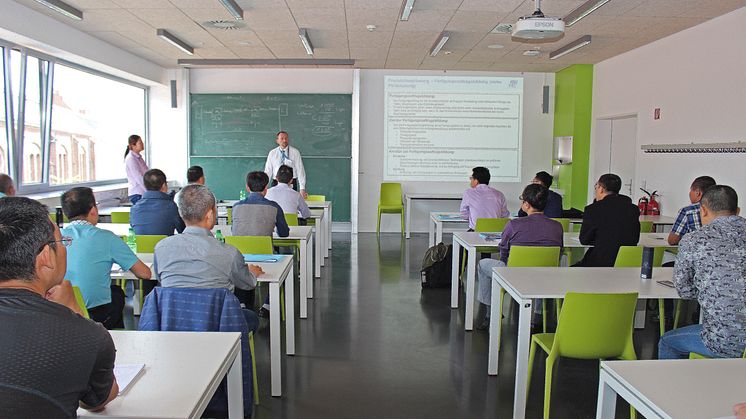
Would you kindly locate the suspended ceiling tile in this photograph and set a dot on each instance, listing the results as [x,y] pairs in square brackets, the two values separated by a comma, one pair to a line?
[423,40]
[384,19]
[328,18]
[426,20]
[500,6]
[377,39]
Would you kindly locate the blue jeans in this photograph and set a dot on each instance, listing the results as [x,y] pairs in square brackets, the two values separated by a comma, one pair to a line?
[677,343]
[134,198]
[251,319]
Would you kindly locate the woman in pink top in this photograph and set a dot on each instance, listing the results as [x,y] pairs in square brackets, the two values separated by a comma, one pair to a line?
[135,167]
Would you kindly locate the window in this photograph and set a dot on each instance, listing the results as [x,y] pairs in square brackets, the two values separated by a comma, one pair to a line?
[4,166]
[33,110]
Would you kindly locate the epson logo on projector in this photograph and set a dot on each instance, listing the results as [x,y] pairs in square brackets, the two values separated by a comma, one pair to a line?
[544,24]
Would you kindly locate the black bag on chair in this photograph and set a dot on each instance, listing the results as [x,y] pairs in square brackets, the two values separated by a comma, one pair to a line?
[436,266]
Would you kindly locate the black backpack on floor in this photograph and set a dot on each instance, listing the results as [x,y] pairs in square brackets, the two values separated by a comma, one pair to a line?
[436,266]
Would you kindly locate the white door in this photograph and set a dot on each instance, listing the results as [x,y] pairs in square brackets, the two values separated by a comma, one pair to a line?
[623,151]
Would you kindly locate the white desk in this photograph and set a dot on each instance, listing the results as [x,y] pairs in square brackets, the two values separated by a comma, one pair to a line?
[435,196]
[571,240]
[658,220]
[673,389]
[525,284]
[327,207]
[186,367]
[106,211]
[435,226]
[321,234]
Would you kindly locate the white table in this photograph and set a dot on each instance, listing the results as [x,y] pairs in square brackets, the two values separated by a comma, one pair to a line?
[327,207]
[106,211]
[525,284]
[673,389]
[187,366]
[435,196]
[435,226]
[321,235]
[658,220]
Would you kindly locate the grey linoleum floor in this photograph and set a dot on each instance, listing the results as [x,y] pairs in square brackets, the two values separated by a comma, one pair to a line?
[376,346]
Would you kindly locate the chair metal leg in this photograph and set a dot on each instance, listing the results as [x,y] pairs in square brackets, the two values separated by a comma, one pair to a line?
[531,356]
[678,314]
[378,224]
[253,368]
[282,303]
[402,222]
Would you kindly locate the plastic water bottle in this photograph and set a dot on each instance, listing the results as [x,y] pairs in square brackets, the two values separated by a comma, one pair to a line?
[132,240]
[242,194]
[219,236]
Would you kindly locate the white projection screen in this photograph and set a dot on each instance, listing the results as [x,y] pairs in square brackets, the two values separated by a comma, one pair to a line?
[437,128]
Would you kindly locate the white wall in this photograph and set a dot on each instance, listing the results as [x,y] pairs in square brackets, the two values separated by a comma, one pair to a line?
[169,127]
[537,149]
[698,79]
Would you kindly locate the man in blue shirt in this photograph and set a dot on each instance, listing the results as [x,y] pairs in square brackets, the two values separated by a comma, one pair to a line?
[257,215]
[554,200]
[91,255]
[689,219]
[156,213]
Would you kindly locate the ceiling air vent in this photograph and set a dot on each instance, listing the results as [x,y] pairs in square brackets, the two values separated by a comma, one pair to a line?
[503,28]
[226,25]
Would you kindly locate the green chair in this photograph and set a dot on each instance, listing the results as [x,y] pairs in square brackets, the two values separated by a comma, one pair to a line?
[631,257]
[534,257]
[81,302]
[591,326]
[53,217]
[485,225]
[565,223]
[259,245]
[646,226]
[291,219]
[146,243]
[253,368]
[316,198]
[229,212]
[390,202]
[120,217]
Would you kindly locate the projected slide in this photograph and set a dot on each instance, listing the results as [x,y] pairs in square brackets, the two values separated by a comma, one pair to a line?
[439,128]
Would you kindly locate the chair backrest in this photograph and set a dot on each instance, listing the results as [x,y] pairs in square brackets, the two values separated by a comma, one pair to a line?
[53,217]
[593,326]
[23,402]
[258,245]
[391,193]
[230,215]
[631,257]
[120,217]
[316,198]
[146,243]
[565,223]
[533,256]
[646,226]
[490,225]
[81,302]
[291,219]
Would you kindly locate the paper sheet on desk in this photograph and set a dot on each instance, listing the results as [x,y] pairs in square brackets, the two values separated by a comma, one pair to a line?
[126,374]
[449,217]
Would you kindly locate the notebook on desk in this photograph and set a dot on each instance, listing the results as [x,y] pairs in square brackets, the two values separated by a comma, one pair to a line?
[262,258]
[126,374]
[449,217]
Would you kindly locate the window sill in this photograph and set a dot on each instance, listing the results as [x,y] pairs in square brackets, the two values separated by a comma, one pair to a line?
[96,190]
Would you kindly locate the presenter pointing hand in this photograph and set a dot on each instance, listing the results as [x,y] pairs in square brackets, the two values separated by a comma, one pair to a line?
[286,155]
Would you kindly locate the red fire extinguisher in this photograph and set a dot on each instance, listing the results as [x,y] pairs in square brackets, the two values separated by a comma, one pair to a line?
[649,206]
[642,204]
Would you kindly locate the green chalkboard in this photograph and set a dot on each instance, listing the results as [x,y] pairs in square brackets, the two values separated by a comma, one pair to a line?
[245,125]
[226,177]
[231,135]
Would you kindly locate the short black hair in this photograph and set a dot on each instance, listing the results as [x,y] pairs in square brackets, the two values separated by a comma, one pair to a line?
[25,228]
[257,181]
[481,174]
[703,183]
[6,182]
[282,132]
[194,173]
[545,178]
[721,198]
[536,195]
[611,182]
[154,179]
[284,174]
[77,202]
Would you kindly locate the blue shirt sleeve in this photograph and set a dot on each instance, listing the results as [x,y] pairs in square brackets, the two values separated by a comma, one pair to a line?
[121,254]
[554,205]
[680,226]
[282,225]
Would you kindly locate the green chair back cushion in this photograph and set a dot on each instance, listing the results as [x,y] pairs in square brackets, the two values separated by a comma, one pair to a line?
[259,245]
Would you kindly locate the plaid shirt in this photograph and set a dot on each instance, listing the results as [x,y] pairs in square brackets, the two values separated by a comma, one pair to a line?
[688,220]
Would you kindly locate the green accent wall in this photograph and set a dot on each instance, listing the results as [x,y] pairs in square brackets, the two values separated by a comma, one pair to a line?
[572,117]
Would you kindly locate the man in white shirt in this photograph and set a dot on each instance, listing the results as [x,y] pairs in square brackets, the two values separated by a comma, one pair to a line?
[288,156]
[283,194]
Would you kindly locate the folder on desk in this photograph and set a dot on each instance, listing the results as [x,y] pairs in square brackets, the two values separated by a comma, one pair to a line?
[262,258]
[126,374]
[490,237]
[449,217]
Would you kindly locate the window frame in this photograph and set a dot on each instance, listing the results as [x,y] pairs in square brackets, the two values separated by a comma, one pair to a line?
[15,124]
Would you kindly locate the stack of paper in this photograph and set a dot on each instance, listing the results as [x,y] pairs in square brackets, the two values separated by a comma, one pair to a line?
[126,374]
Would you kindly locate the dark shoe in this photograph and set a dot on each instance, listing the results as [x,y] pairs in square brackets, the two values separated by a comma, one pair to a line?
[484,325]
[263,312]
[537,328]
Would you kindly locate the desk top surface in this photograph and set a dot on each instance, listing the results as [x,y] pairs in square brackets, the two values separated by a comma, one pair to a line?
[471,238]
[556,282]
[684,389]
[434,195]
[296,232]
[165,355]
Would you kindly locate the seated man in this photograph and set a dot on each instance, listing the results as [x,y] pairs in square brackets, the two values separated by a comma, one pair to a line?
[195,259]
[257,215]
[534,230]
[481,201]
[608,223]
[156,212]
[47,346]
[710,268]
[554,201]
[7,188]
[285,196]
[195,176]
[689,218]
[91,255]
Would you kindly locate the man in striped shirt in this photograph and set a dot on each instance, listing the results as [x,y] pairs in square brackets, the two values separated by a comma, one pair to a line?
[689,218]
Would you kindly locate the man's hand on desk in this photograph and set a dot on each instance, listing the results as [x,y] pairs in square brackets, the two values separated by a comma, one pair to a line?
[256,270]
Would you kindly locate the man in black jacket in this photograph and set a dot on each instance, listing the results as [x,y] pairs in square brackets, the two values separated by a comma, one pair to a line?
[608,223]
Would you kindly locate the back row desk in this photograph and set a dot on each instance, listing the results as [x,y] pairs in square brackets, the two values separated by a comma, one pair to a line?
[436,196]
[470,241]
[525,284]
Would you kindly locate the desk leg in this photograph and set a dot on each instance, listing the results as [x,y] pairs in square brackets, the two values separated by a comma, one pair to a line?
[308,260]
[408,217]
[328,216]
[324,238]
[606,405]
[274,338]
[320,241]
[317,252]
[438,232]
[235,387]
[290,312]
[328,235]
[495,328]
[454,274]
[521,363]
[471,264]
[303,279]
[431,233]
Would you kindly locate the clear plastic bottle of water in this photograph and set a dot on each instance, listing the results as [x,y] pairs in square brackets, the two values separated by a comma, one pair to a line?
[132,240]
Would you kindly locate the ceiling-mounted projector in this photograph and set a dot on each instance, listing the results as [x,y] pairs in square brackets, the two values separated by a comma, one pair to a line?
[538,26]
